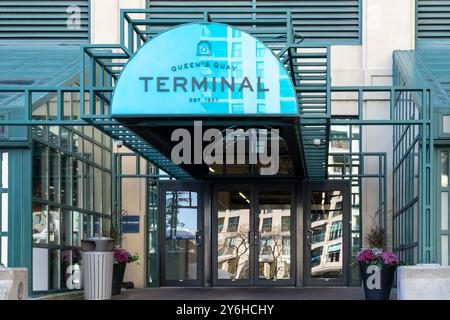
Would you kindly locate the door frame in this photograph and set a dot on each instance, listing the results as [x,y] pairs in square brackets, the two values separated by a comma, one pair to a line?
[253,188]
[198,187]
[328,185]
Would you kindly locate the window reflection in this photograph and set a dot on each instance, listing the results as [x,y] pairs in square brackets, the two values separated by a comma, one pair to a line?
[326,234]
[274,227]
[181,237]
[232,238]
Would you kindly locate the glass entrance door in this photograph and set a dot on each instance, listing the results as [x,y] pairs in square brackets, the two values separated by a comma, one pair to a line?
[326,233]
[182,234]
[252,234]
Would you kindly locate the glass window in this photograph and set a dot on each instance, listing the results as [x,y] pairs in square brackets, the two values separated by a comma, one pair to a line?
[87,150]
[260,69]
[98,155]
[286,224]
[40,225]
[446,123]
[53,135]
[98,187]
[54,272]
[77,228]
[444,169]
[106,193]
[65,138]
[88,194]
[233,223]
[66,227]
[97,135]
[40,269]
[65,178]
[76,143]
[106,159]
[220,222]
[54,190]
[267,225]
[77,183]
[260,49]
[236,49]
[97,226]
[4,213]
[54,225]
[87,226]
[40,170]
[5,170]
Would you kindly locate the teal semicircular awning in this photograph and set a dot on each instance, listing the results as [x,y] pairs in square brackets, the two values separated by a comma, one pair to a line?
[203,69]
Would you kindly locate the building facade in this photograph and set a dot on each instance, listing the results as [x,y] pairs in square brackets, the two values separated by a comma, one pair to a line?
[91,93]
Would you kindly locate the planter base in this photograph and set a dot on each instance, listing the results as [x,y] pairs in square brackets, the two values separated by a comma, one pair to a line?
[377,283]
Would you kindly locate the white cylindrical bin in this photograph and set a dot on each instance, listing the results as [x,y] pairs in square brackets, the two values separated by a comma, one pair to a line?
[98,259]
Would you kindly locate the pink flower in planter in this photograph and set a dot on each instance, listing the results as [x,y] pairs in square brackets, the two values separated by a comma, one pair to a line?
[121,255]
[389,258]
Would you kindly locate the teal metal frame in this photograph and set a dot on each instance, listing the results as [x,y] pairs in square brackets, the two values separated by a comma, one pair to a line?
[309,66]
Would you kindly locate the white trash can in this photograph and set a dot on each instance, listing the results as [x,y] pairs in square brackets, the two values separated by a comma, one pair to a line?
[98,255]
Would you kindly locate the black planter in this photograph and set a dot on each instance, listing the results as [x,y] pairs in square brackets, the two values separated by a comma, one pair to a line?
[383,291]
[118,273]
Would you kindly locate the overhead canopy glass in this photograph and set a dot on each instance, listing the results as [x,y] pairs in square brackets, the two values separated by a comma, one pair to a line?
[214,73]
[204,69]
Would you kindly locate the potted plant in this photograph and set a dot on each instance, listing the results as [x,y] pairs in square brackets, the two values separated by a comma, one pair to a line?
[121,258]
[377,266]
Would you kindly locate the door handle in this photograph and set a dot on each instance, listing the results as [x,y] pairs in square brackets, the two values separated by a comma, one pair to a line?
[198,238]
[257,238]
[309,235]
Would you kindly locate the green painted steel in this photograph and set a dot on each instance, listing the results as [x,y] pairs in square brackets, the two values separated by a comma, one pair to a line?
[62,21]
[414,216]
[321,21]
[432,21]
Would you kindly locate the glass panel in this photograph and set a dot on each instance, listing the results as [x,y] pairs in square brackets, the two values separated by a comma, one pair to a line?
[77,183]
[4,213]
[106,193]
[5,170]
[70,269]
[444,210]
[88,194]
[77,228]
[39,223]
[87,226]
[326,235]
[446,124]
[40,171]
[106,159]
[66,227]
[274,226]
[65,178]
[4,251]
[233,249]
[444,169]
[181,236]
[40,269]
[97,226]
[98,197]
[444,250]
[65,138]
[54,270]
[98,155]
[87,150]
[54,225]
[54,175]
[76,143]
